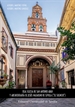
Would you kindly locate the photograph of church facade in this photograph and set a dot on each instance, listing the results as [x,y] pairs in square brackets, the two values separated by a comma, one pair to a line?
[36,52]
[30,55]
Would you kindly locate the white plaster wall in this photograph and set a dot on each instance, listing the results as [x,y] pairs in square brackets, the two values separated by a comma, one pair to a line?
[10,61]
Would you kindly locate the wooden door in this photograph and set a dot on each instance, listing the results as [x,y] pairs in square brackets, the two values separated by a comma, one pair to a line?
[37,77]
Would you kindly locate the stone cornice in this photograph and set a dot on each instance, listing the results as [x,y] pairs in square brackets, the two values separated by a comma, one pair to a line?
[36,37]
[36,50]
[32,18]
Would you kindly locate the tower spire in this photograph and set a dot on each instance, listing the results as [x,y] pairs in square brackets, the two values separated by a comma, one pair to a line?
[36,17]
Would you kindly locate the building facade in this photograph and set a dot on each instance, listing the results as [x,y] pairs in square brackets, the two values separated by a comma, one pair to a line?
[36,52]
[67,72]
[8,47]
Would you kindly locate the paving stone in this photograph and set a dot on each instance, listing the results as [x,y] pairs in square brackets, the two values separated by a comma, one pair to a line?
[38,102]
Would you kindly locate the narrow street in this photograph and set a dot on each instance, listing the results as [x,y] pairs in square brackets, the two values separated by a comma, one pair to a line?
[38,102]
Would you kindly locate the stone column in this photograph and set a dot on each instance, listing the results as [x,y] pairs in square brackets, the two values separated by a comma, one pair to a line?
[26,78]
[17,78]
[37,28]
[53,79]
[29,27]
[44,28]
[50,77]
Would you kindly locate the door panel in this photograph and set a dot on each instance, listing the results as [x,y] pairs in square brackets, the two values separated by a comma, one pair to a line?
[37,77]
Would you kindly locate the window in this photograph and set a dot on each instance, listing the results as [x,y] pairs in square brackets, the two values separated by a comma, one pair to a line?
[11,51]
[3,66]
[27,43]
[43,44]
[71,77]
[4,40]
[34,43]
[31,43]
[38,43]
[33,27]
[40,28]
[37,15]
[53,44]
[46,44]
[11,75]
[22,42]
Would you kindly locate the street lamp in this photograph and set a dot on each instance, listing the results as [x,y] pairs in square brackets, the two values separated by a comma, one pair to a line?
[1,67]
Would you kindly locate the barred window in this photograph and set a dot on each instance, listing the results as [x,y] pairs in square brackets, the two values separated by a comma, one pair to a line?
[50,44]
[43,43]
[53,44]
[34,43]
[30,43]
[46,44]
[26,43]
[38,43]
[22,42]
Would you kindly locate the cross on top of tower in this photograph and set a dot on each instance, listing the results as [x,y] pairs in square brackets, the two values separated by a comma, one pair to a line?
[36,3]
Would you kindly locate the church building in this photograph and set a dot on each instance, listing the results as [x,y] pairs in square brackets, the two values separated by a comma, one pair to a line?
[36,51]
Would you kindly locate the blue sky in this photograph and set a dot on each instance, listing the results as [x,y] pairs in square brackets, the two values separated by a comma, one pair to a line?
[17,12]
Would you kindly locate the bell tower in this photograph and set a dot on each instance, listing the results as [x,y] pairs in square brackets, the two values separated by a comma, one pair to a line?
[36,23]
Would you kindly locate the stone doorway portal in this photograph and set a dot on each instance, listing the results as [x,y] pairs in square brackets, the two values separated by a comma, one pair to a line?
[37,73]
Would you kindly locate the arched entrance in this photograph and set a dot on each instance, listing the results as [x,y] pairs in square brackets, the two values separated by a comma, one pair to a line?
[37,73]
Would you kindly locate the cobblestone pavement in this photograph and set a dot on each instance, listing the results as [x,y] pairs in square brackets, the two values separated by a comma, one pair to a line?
[38,102]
